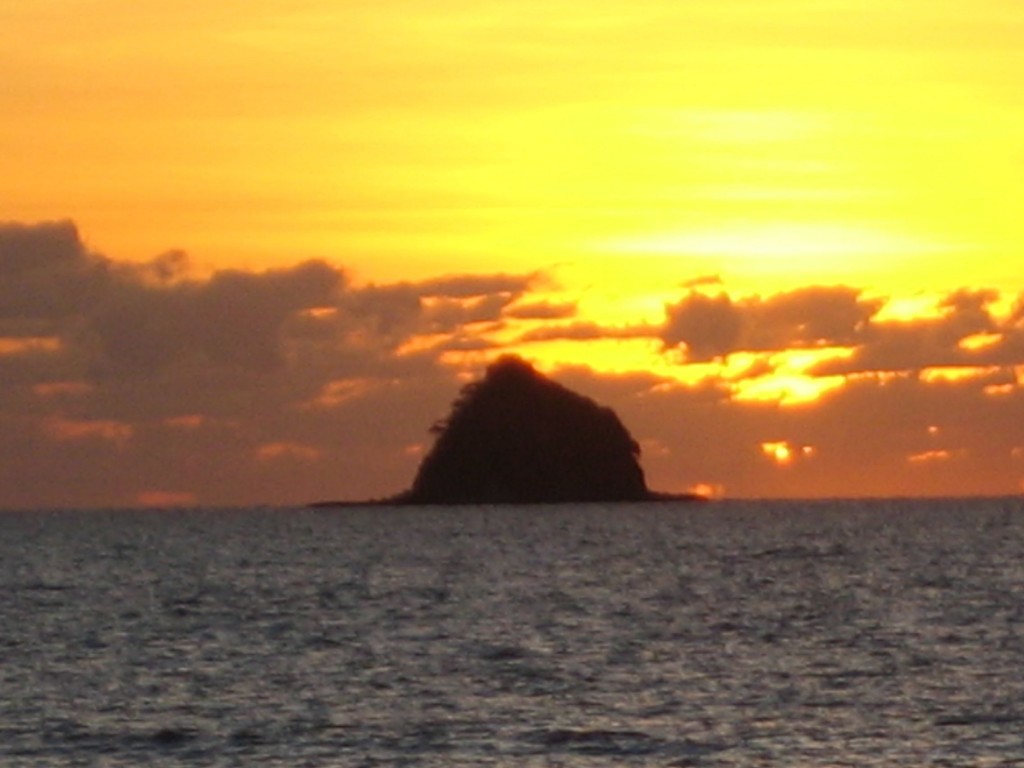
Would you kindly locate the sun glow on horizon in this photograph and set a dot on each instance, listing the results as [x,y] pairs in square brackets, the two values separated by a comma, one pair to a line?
[784,453]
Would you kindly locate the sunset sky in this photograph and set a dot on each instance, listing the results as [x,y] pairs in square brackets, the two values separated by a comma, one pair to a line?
[250,251]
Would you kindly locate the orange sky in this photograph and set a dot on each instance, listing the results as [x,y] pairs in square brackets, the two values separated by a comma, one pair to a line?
[782,238]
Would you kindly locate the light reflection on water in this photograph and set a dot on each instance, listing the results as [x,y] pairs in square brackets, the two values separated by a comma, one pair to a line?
[738,633]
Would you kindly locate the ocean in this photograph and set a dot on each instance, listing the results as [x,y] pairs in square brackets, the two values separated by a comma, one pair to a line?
[736,633]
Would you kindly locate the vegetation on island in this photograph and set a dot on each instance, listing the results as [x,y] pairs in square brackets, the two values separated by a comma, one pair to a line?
[516,437]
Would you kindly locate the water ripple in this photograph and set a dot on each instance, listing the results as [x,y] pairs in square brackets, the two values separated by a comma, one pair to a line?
[733,634]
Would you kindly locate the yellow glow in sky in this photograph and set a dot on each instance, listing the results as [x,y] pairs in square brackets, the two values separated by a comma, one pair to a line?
[773,143]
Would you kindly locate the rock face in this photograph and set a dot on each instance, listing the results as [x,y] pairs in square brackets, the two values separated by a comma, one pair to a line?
[516,437]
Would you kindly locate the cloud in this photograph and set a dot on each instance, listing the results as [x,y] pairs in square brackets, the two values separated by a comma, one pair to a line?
[46,274]
[469,286]
[542,310]
[116,379]
[710,327]
[868,438]
[234,318]
[807,317]
[440,305]
[88,429]
[702,281]
[127,383]
[584,331]
[136,320]
[964,333]
[287,451]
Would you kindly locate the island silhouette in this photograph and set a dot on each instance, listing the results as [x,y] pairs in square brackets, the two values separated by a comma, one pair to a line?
[517,437]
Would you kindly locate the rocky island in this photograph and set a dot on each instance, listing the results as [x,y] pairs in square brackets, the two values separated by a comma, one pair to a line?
[517,437]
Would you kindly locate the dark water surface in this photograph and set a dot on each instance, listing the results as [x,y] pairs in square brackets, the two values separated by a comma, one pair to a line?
[886,633]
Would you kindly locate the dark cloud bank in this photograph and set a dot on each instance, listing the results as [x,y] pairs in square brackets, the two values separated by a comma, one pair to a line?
[123,383]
